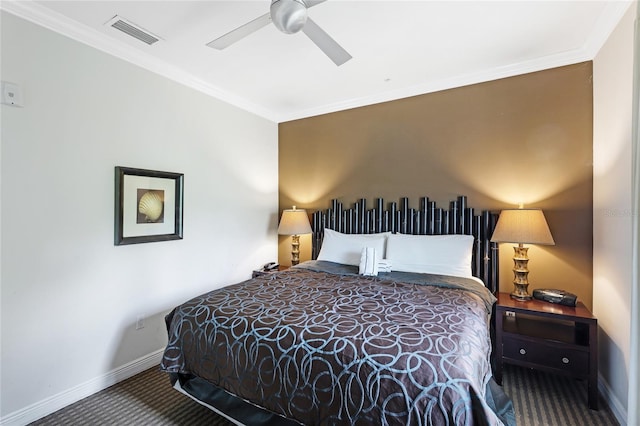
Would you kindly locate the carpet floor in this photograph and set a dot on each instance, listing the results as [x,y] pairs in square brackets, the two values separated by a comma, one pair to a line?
[540,399]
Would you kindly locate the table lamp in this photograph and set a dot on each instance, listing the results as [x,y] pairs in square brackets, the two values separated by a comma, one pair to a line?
[294,222]
[521,226]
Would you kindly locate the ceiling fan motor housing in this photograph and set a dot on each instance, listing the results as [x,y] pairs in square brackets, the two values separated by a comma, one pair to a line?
[289,16]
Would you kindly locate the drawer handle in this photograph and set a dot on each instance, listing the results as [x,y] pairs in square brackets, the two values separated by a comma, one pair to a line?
[565,360]
[523,351]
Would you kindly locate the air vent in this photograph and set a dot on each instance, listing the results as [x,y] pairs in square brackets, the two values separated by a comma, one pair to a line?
[133,30]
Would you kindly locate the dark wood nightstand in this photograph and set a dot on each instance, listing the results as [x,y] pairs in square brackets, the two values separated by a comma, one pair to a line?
[259,272]
[548,337]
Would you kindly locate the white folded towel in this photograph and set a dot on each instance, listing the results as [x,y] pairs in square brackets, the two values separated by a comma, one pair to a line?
[384,265]
[369,262]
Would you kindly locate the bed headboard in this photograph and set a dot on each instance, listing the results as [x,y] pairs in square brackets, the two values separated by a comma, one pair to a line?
[428,219]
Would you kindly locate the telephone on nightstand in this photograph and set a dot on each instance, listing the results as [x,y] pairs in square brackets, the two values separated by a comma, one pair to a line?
[271,266]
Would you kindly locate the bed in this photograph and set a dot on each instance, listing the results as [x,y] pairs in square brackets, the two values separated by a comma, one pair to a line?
[330,342]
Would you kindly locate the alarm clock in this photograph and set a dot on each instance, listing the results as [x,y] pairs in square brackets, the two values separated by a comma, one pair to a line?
[551,295]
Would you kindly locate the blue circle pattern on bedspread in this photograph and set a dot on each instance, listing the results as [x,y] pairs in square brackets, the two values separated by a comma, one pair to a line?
[337,349]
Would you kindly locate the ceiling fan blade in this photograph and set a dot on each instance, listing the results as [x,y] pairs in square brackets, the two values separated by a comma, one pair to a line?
[328,45]
[241,32]
[311,3]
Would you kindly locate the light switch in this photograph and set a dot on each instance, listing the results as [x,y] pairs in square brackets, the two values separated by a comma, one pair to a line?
[11,94]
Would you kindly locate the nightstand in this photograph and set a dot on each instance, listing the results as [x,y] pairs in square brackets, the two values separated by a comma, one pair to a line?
[259,272]
[548,337]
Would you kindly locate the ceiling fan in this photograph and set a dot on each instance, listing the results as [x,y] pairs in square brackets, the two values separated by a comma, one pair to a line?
[289,16]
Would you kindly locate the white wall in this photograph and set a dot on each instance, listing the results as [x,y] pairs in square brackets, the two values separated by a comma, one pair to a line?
[612,216]
[633,416]
[69,297]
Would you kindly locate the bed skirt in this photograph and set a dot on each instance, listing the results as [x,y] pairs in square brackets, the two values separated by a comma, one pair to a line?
[243,413]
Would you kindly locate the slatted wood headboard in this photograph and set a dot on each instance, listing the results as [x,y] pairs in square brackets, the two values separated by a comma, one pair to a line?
[428,219]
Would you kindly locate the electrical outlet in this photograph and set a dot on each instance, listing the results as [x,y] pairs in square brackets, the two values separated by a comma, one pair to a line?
[139,322]
[510,314]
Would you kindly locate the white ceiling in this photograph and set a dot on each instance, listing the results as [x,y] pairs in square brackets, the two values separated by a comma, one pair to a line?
[399,48]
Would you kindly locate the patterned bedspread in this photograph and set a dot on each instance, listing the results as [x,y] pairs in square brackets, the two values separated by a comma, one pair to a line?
[325,346]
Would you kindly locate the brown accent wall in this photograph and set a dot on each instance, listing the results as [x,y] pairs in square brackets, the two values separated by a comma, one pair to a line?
[524,139]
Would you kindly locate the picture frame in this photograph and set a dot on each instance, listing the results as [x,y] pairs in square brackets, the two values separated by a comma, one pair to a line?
[148,206]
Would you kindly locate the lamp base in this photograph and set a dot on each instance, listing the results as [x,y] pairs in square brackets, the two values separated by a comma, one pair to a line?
[295,250]
[520,273]
[520,293]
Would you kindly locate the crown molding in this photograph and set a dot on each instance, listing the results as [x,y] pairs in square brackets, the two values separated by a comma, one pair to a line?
[47,18]
[607,22]
[33,12]
[611,16]
[547,62]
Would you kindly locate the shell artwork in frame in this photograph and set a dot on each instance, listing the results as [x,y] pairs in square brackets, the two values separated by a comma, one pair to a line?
[150,206]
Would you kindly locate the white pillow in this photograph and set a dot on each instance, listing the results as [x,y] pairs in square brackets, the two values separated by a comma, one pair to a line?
[347,248]
[431,254]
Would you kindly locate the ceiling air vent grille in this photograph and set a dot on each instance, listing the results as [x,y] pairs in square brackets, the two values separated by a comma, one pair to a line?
[133,30]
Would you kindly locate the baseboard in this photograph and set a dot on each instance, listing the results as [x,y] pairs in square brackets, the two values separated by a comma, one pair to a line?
[618,410]
[54,403]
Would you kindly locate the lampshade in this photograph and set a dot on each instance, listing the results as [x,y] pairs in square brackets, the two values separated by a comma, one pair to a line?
[523,226]
[289,16]
[294,222]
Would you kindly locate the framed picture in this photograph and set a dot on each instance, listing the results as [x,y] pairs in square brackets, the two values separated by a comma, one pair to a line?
[148,206]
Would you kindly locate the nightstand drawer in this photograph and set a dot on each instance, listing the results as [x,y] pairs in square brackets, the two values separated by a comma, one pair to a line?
[573,361]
